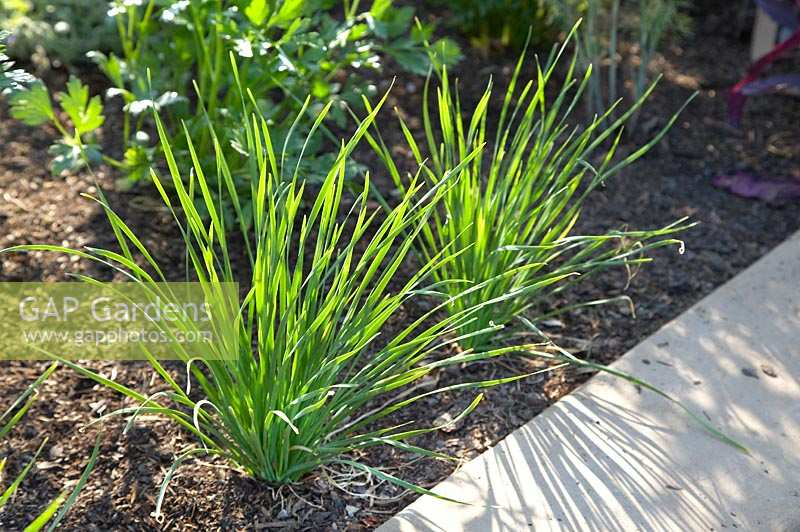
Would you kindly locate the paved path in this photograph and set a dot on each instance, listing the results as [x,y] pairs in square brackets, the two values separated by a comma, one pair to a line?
[608,457]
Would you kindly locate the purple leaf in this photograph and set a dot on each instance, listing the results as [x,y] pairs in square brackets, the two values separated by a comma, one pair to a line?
[747,185]
[787,83]
[736,98]
[784,12]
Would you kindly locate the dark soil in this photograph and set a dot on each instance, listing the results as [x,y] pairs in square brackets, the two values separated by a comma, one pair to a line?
[673,181]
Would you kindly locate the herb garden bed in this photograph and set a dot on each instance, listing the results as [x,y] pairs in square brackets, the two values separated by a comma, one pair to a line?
[673,181]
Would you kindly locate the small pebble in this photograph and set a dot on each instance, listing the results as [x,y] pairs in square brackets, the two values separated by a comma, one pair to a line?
[769,371]
[446,421]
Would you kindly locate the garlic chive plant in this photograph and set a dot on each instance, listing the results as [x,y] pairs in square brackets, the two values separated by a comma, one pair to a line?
[313,376]
[510,214]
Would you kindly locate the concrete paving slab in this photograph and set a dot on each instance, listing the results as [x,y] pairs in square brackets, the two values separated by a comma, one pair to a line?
[609,457]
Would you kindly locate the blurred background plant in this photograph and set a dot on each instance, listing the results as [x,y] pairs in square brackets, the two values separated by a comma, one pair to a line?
[286,49]
[606,24]
[501,23]
[12,79]
[30,103]
[56,33]
[172,58]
